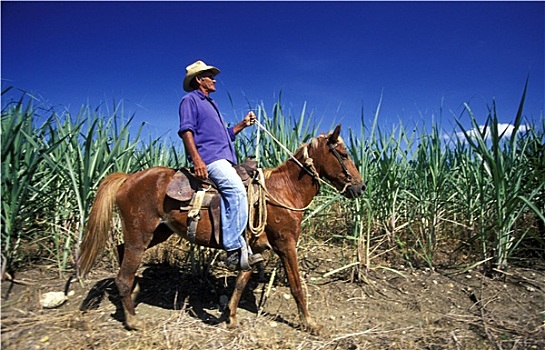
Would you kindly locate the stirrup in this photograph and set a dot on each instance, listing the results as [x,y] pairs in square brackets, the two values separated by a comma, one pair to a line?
[244,262]
[243,259]
[255,259]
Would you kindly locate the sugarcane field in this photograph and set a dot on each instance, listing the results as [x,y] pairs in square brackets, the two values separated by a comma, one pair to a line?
[440,246]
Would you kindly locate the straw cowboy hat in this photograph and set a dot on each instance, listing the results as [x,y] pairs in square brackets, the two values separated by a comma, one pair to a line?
[194,69]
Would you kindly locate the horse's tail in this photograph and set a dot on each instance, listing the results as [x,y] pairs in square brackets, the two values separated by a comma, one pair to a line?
[99,223]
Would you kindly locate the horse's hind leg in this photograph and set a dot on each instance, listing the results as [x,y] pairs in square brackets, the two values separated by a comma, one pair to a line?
[137,240]
[125,281]
[135,246]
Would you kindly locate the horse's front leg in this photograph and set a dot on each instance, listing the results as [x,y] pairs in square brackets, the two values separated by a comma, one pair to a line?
[230,312]
[288,256]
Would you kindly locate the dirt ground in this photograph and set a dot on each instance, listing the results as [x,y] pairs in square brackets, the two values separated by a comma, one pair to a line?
[389,308]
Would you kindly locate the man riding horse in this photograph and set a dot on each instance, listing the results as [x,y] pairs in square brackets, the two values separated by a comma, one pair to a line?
[209,145]
[150,216]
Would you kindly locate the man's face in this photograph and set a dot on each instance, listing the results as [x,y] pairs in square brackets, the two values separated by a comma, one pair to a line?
[207,83]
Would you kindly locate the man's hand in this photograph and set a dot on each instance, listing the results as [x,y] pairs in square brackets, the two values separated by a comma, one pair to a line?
[249,119]
[199,167]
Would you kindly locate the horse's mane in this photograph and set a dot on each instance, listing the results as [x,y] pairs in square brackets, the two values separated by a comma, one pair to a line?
[312,143]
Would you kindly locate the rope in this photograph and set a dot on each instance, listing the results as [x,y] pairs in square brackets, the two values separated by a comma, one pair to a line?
[258,195]
[285,206]
[257,209]
[309,168]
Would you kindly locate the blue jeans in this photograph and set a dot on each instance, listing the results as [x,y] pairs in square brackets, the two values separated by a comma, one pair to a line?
[234,203]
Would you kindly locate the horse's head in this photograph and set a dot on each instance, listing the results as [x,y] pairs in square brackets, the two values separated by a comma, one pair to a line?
[333,163]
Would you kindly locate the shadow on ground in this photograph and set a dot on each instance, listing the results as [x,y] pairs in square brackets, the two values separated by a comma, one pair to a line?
[172,288]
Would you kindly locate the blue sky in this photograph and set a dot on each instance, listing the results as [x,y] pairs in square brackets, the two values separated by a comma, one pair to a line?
[338,58]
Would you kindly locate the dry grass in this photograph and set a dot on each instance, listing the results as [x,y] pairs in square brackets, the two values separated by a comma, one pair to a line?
[405,309]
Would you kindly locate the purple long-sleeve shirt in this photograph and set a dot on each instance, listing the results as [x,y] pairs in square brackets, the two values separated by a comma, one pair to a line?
[200,115]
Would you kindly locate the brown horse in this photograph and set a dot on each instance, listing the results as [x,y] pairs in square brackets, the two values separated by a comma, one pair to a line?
[149,217]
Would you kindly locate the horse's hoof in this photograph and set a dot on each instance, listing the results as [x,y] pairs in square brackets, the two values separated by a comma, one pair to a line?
[135,324]
[314,328]
[231,323]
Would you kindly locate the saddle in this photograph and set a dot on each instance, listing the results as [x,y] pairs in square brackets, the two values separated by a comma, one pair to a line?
[195,194]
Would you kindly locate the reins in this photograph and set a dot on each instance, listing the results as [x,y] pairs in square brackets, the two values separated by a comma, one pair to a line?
[308,167]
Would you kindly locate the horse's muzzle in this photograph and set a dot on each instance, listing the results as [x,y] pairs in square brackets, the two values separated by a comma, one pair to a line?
[354,191]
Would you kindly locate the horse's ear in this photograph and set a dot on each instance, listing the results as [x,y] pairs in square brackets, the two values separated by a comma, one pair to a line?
[334,138]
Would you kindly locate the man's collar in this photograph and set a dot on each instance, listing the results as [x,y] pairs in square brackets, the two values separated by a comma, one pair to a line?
[202,95]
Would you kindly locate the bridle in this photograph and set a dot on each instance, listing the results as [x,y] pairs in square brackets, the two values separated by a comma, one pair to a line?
[333,149]
[308,165]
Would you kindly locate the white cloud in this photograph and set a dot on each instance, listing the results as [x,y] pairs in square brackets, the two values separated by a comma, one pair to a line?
[506,129]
